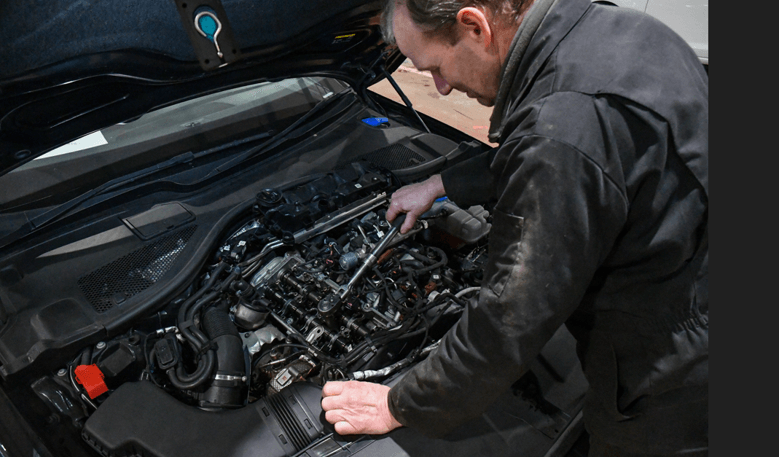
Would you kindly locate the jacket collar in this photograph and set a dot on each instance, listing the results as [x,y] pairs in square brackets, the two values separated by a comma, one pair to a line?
[545,25]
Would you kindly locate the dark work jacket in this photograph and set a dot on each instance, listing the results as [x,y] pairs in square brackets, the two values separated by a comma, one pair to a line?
[600,190]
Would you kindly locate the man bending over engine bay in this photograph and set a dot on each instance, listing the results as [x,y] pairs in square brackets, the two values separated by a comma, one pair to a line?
[600,194]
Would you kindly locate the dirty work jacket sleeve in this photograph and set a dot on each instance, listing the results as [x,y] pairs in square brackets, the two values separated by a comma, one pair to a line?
[556,218]
[471,182]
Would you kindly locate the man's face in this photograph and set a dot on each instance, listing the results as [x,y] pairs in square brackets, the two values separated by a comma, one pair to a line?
[466,66]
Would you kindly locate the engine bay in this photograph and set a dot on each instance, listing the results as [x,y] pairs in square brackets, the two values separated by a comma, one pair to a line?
[311,284]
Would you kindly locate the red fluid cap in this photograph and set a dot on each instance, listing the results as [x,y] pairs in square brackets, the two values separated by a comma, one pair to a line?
[91,378]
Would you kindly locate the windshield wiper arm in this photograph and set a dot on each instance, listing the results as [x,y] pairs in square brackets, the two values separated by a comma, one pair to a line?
[281,136]
[59,211]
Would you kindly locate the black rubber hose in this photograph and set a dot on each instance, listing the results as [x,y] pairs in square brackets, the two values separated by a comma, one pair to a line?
[421,257]
[178,377]
[193,310]
[211,281]
[226,392]
[216,323]
[262,239]
[203,372]
[412,265]
[188,311]
[191,333]
[432,267]
[385,286]
[86,356]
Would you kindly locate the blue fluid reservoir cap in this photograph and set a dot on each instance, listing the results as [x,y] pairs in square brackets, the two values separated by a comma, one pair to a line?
[208,26]
[207,23]
[375,121]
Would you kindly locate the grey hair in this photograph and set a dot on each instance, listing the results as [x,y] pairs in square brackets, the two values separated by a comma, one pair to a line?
[440,16]
[387,15]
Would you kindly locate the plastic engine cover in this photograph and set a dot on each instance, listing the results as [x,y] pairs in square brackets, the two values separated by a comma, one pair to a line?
[141,419]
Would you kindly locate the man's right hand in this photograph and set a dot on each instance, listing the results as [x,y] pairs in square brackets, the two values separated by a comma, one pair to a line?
[414,200]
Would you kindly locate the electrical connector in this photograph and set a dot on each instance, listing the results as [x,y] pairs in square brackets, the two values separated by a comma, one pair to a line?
[91,378]
[167,352]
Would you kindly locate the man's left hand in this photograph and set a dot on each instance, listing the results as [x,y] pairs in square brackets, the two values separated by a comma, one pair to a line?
[356,407]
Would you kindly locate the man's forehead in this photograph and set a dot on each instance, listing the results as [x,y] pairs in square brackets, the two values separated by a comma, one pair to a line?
[408,35]
[401,21]
[403,28]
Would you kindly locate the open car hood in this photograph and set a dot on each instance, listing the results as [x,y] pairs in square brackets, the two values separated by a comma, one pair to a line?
[70,69]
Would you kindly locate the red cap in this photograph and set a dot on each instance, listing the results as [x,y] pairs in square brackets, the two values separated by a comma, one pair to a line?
[91,378]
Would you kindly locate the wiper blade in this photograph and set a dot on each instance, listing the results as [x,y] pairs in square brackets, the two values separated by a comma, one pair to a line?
[286,134]
[58,212]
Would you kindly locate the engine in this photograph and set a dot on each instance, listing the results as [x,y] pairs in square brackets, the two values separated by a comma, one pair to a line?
[307,285]
[309,289]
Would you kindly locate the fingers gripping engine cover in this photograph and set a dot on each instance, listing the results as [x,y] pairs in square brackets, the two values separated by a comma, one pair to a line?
[142,419]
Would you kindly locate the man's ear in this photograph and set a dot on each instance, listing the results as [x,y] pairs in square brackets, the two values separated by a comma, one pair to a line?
[473,23]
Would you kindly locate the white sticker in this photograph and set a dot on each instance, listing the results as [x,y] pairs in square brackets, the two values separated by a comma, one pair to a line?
[85,142]
[357,185]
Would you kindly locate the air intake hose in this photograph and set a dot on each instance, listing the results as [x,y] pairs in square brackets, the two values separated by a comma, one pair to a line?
[228,387]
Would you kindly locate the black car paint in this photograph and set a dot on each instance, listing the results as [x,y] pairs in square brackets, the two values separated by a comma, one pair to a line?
[49,103]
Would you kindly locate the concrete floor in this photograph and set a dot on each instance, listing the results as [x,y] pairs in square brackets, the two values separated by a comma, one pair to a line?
[455,109]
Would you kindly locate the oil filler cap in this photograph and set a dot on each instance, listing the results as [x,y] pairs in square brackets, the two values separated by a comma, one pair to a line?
[91,378]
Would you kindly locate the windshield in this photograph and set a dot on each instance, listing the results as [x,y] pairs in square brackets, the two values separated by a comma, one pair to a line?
[244,115]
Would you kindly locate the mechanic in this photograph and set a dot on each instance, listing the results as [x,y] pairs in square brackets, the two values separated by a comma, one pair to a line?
[600,195]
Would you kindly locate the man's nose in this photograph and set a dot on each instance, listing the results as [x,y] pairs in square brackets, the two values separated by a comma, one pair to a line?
[440,83]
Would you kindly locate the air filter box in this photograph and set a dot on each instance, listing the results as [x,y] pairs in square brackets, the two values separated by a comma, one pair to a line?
[141,419]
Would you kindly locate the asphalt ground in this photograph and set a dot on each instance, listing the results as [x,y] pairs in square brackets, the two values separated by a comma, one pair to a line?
[455,109]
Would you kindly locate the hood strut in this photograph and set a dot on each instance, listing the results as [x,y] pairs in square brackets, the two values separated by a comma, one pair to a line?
[370,75]
[403,96]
